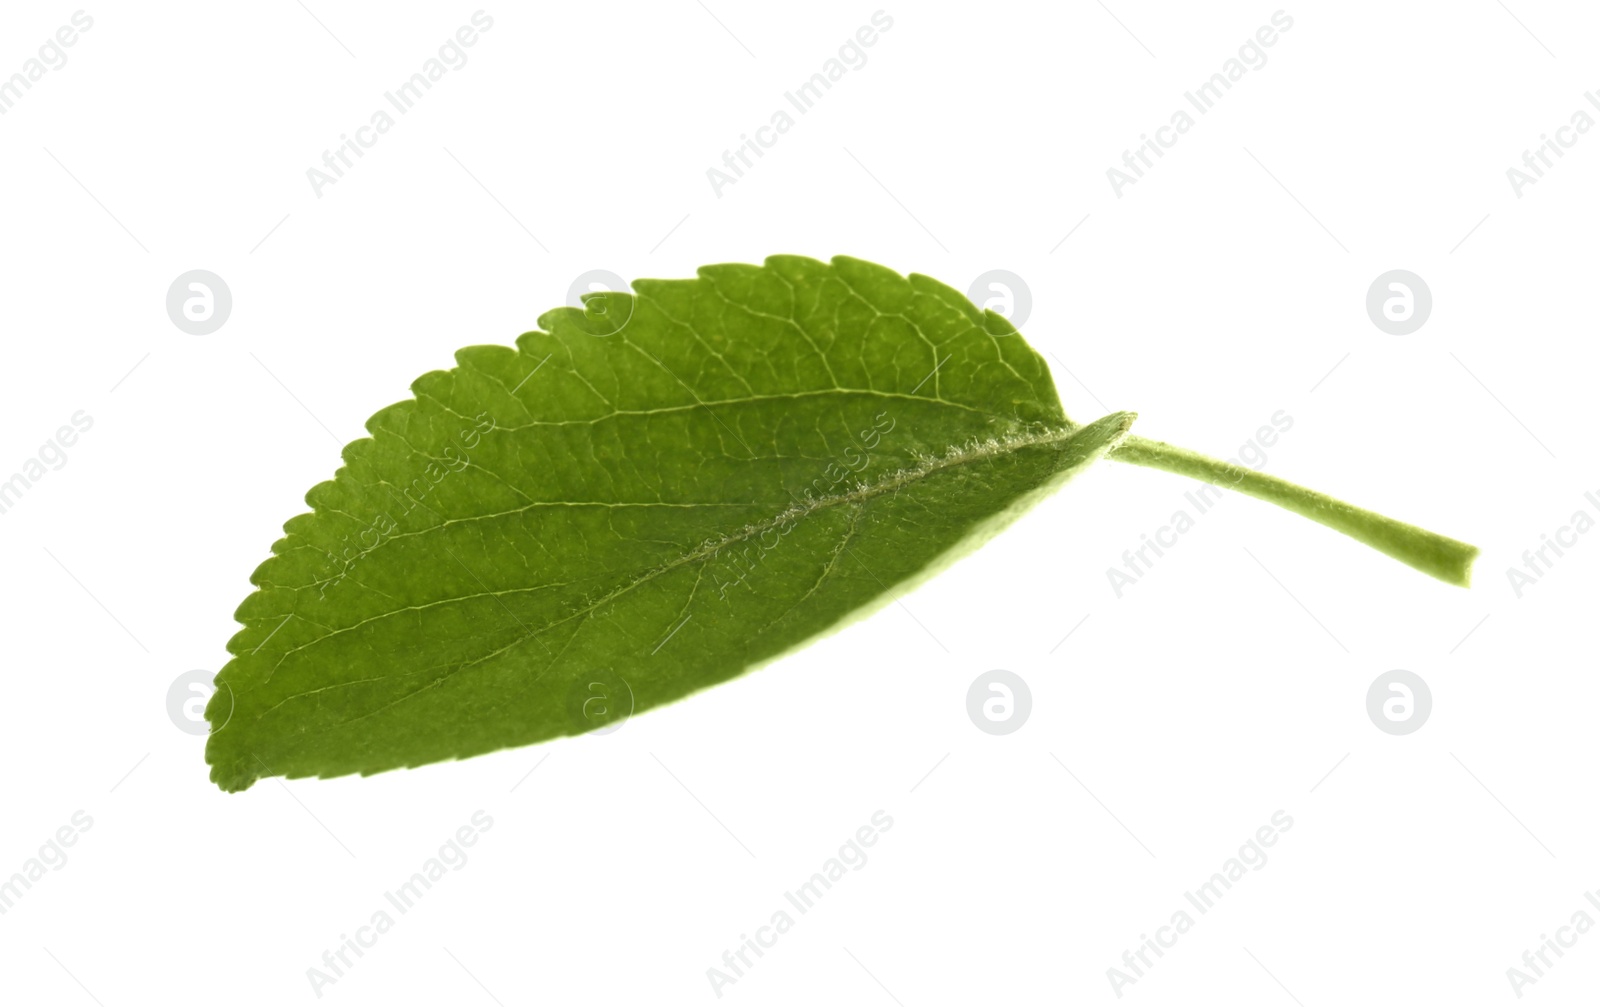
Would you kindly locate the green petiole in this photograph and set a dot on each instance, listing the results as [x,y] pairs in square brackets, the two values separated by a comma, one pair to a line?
[1432,553]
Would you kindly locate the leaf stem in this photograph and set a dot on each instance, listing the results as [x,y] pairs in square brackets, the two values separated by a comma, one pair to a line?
[1433,554]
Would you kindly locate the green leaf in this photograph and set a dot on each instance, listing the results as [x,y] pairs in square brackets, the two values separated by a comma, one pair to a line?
[653,495]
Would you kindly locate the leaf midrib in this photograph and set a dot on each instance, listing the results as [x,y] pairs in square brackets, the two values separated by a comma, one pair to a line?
[954,457]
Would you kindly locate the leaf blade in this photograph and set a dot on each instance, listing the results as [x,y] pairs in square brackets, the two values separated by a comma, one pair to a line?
[665,490]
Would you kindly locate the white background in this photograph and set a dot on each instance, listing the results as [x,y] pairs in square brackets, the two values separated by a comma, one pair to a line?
[1226,285]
